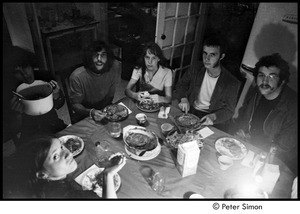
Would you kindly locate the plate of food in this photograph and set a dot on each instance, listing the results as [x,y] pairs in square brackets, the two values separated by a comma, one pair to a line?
[73,143]
[147,105]
[188,121]
[141,144]
[116,112]
[93,180]
[174,138]
[231,147]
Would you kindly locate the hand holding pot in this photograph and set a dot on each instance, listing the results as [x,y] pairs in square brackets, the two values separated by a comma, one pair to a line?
[55,88]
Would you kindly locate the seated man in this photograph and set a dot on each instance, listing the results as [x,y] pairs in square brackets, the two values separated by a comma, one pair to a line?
[269,112]
[209,91]
[92,86]
[20,67]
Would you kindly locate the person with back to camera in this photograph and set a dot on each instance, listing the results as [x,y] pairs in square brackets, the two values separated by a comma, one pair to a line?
[51,163]
[268,115]
[154,77]
[92,86]
[20,67]
[209,91]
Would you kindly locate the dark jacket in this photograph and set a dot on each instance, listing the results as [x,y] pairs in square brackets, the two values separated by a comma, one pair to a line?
[279,127]
[224,97]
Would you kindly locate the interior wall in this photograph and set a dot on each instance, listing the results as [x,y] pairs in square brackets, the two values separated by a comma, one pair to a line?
[17,24]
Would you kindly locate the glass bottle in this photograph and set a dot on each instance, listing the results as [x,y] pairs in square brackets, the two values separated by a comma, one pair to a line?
[259,165]
[272,154]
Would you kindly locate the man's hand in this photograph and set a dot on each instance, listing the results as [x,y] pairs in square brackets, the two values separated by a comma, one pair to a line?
[98,115]
[208,119]
[184,105]
[17,105]
[55,88]
[242,135]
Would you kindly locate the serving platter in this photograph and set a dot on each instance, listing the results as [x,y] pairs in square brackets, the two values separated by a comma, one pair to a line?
[231,147]
[74,143]
[141,144]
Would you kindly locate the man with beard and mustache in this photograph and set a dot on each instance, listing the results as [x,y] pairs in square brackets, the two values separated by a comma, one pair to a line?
[209,91]
[269,112]
[92,86]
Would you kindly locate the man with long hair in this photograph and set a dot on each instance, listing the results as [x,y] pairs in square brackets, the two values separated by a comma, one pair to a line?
[92,86]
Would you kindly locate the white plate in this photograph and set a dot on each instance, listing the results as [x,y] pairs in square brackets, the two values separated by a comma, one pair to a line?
[64,139]
[222,149]
[87,184]
[147,156]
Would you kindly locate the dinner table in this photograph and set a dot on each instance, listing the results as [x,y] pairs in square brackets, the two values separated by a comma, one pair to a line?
[209,180]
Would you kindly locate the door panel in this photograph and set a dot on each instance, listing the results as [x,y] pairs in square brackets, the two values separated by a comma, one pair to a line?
[179,33]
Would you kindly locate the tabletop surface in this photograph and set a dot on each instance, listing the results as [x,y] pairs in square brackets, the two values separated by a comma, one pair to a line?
[209,181]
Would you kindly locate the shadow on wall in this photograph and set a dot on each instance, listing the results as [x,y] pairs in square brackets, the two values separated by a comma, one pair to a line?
[283,42]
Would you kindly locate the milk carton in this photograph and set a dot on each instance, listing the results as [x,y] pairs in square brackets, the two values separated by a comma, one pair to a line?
[187,158]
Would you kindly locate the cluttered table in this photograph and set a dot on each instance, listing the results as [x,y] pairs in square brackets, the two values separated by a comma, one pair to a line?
[209,181]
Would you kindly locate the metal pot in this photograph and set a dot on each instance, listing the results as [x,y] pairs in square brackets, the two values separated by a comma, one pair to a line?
[39,97]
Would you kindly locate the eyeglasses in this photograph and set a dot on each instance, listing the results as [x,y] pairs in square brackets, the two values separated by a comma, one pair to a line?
[269,76]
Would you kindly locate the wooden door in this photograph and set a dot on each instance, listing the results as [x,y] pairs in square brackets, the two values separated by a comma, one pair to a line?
[179,32]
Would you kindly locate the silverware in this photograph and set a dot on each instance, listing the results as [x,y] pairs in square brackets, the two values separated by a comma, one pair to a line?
[142,153]
[19,95]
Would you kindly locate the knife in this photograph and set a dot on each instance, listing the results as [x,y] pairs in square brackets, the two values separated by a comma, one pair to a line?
[142,153]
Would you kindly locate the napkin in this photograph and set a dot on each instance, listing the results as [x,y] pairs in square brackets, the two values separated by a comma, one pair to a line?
[163,111]
[205,132]
[129,111]
[248,159]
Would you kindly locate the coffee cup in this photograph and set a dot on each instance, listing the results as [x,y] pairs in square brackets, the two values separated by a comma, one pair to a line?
[166,128]
[141,118]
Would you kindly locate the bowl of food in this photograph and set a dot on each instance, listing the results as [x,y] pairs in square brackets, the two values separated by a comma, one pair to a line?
[174,138]
[141,143]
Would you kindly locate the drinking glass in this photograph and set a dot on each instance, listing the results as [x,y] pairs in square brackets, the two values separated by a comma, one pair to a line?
[104,150]
[154,179]
[115,129]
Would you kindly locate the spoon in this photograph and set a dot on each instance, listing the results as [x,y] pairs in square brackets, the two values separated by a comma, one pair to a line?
[19,95]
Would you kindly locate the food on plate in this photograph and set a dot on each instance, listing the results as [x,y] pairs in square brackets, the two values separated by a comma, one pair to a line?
[95,181]
[174,138]
[230,144]
[116,112]
[141,141]
[73,144]
[188,121]
[231,147]
[148,104]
